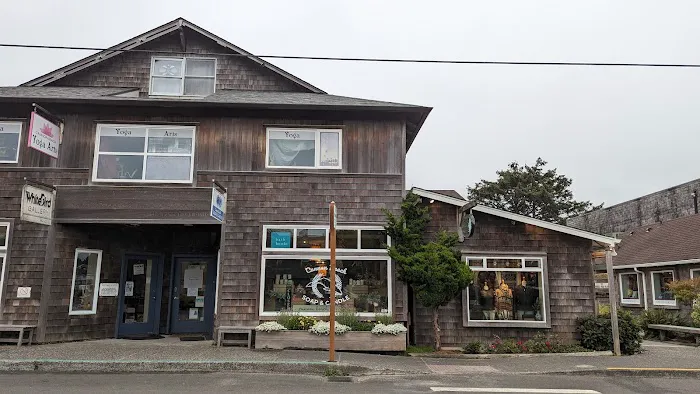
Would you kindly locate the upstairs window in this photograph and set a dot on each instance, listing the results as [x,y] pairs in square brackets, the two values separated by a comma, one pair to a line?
[9,141]
[144,153]
[304,148]
[171,76]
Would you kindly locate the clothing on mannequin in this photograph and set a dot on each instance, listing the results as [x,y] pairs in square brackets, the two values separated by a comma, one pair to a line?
[487,303]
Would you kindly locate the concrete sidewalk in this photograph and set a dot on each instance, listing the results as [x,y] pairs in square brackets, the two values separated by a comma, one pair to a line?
[171,354]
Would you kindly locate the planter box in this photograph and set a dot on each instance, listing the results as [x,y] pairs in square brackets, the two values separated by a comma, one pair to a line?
[361,341]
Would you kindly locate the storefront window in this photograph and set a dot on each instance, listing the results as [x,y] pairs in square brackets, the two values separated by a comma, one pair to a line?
[311,238]
[302,285]
[298,238]
[346,239]
[373,239]
[506,290]
[278,238]
[136,153]
[9,141]
[629,288]
[86,281]
[662,293]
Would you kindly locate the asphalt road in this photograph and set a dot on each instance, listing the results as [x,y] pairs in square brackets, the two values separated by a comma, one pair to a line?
[269,383]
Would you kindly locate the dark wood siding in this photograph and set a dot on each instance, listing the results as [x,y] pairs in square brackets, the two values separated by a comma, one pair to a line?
[133,69]
[570,278]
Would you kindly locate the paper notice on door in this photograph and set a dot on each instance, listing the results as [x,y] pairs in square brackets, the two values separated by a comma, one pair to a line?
[139,269]
[194,277]
[199,302]
[129,289]
[194,314]
[192,291]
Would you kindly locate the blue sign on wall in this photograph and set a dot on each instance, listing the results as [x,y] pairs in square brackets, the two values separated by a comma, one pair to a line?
[280,240]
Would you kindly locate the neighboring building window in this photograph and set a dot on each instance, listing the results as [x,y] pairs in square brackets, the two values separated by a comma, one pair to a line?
[9,141]
[144,153]
[172,76]
[4,240]
[301,284]
[695,273]
[363,238]
[86,282]
[304,148]
[507,291]
[659,283]
[629,288]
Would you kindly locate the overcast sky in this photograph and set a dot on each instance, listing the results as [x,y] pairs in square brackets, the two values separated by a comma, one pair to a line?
[618,132]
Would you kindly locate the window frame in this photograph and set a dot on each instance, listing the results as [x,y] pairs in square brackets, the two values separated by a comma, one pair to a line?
[322,255]
[296,227]
[693,272]
[631,301]
[19,141]
[546,321]
[4,252]
[95,297]
[183,61]
[145,154]
[654,301]
[317,148]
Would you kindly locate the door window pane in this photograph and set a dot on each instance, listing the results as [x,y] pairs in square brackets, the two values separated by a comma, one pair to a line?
[167,86]
[346,239]
[200,67]
[373,239]
[137,291]
[191,290]
[199,86]
[165,168]
[311,238]
[661,290]
[120,167]
[330,149]
[86,271]
[630,287]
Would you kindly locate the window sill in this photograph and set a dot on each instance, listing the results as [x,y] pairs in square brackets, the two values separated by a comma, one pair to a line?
[508,324]
[666,306]
[632,304]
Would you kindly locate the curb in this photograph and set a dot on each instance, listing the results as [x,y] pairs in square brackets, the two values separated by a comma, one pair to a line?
[634,372]
[491,356]
[155,366]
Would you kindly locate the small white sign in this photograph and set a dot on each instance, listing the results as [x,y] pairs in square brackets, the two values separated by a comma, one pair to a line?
[37,205]
[192,291]
[194,313]
[129,289]
[24,292]
[43,135]
[139,269]
[109,289]
[199,302]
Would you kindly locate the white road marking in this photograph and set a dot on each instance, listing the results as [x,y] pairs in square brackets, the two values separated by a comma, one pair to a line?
[511,390]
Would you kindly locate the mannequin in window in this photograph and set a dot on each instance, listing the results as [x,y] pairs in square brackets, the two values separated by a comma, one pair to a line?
[487,302]
[504,302]
[525,300]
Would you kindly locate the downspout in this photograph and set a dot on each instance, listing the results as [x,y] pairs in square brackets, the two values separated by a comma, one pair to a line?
[644,287]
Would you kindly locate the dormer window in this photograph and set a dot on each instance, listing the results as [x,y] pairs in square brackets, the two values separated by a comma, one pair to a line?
[190,76]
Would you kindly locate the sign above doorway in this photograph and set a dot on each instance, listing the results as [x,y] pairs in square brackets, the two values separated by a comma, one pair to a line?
[37,205]
[218,204]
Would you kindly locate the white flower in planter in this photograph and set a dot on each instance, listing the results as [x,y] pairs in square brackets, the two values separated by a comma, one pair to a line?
[393,329]
[324,328]
[270,326]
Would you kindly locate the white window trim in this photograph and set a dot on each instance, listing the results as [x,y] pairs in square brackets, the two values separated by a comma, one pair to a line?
[310,256]
[19,143]
[145,154]
[97,282]
[544,323]
[630,301]
[673,302]
[183,61]
[296,227]
[3,266]
[317,161]
[694,272]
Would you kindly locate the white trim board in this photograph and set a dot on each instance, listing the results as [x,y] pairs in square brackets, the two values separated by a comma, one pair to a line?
[518,218]
[659,264]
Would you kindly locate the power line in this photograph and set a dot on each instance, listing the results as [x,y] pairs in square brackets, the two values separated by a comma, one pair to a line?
[366,59]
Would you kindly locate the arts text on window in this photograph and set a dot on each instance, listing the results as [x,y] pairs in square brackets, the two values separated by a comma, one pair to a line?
[304,148]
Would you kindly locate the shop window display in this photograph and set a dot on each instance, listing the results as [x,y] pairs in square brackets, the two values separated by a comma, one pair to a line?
[629,288]
[86,281]
[662,292]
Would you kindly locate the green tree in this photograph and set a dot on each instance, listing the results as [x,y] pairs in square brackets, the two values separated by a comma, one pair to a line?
[434,270]
[532,191]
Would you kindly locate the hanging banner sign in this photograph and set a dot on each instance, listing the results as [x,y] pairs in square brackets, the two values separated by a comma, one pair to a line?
[37,205]
[43,135]
[218,204]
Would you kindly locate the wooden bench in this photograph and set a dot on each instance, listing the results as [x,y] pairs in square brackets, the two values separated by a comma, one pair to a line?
[223,330]
[662,328]
[20,330]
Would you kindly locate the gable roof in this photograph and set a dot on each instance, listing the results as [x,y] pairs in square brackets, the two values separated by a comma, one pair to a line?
[673,242]
[135,42]
[514,216]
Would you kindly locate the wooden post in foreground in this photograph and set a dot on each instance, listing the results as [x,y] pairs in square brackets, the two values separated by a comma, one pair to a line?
[331,273]
[612,295]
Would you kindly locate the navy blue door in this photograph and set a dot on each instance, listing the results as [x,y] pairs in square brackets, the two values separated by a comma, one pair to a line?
[194,289]
[139,295]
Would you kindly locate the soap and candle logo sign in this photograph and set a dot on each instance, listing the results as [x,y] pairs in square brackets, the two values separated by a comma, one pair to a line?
[320,286]
[37,205]
[43,135]
[218,204]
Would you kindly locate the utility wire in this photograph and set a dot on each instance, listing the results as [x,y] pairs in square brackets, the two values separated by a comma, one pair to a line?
[365,59]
